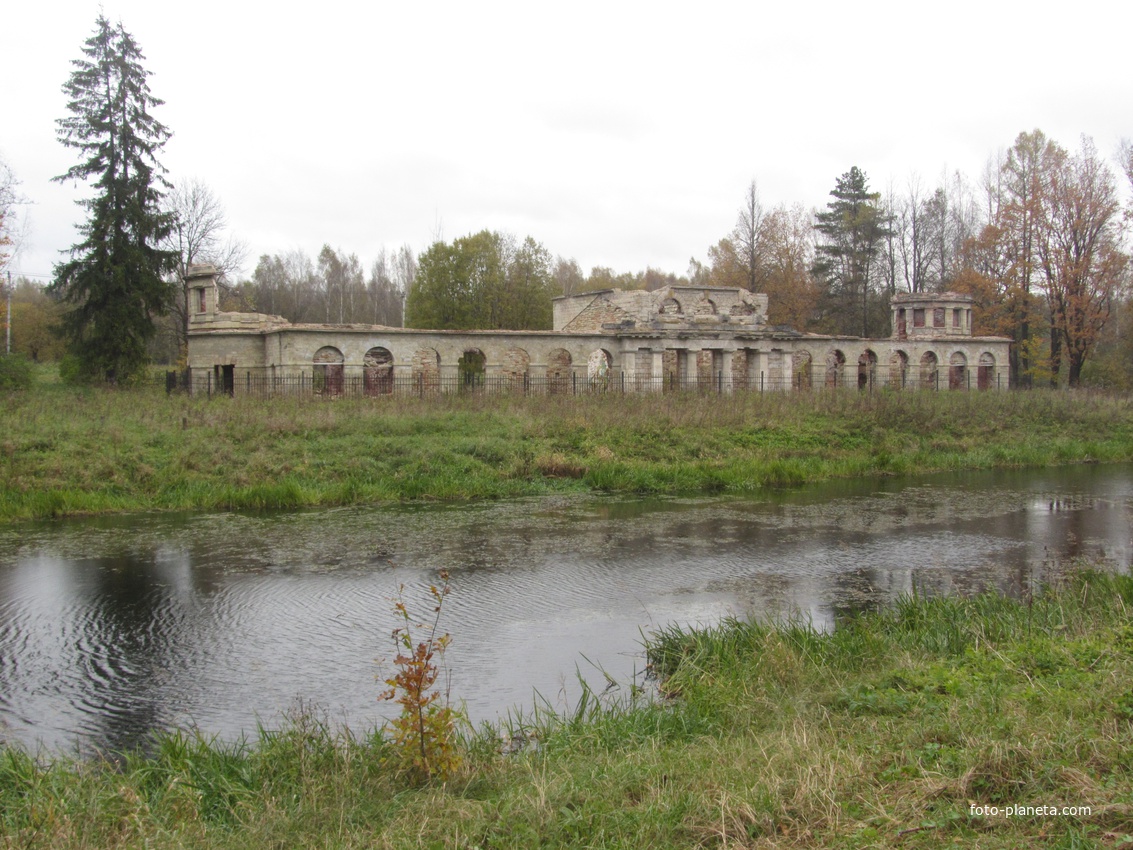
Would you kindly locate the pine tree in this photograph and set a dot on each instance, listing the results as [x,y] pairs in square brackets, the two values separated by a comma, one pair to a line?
[114,279]
[853,226]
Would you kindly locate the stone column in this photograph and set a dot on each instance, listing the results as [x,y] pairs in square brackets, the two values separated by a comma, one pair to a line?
[778,376]
[757,369]
[691,371]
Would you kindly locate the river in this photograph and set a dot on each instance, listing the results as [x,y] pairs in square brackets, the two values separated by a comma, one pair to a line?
[112,627]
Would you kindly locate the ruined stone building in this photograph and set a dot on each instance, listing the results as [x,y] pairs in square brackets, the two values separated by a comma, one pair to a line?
[674,338]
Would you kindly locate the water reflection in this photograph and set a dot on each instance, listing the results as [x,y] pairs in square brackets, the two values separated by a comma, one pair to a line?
[111,627]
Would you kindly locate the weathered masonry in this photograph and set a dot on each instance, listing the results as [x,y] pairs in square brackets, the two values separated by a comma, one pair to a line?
[674,338]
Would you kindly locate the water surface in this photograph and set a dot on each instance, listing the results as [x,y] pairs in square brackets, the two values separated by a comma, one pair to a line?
[112,627]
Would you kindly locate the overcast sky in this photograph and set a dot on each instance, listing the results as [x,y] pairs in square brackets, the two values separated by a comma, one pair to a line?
[620,134]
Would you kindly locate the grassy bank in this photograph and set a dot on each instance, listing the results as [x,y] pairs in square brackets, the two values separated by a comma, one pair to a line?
[66,451]
[885,733]
[70,451]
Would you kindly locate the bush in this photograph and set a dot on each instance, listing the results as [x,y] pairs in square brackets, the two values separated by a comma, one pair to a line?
[71,370]
[15,372]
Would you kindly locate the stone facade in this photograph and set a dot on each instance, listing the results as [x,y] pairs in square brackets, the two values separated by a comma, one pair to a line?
[672,307]
[673,337]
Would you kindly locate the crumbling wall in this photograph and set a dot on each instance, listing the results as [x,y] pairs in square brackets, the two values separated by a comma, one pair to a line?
[600,312]
[514,365]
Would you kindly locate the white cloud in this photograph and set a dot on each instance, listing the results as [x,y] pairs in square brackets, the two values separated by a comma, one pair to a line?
[622,134]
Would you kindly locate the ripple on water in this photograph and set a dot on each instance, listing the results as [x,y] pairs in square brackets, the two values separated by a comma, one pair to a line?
[114,626]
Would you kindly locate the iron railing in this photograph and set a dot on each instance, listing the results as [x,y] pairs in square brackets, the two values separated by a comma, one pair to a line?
[323,384]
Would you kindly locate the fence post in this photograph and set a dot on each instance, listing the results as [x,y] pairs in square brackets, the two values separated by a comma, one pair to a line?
[573,383]
[209,395]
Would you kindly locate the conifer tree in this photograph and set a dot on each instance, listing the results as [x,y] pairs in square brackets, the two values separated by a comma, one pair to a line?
[852,229]
[114,280]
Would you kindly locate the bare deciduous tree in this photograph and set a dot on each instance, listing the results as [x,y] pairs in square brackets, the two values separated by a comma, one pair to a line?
[10,199]
[390,276]
[198,236]
[747,237]
[569,277]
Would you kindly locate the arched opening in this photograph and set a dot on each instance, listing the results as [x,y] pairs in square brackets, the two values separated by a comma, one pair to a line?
[705,307]
[426,369]
[742,308]
[559,371]
[985,371]
[470,368]
[898,369]
[867,370]
[327,371]
[670,307]
[929,365]
[515,365]
[835,364]
[377,372]
[958,371]
[598,369]
[802,370]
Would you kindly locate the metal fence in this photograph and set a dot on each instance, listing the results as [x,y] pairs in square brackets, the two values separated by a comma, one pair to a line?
[321,384]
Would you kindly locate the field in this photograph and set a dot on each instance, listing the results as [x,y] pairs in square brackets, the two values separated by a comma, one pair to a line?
[916,726]
[72,451]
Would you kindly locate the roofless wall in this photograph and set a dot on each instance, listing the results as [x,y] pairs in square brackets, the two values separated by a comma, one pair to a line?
[711,339]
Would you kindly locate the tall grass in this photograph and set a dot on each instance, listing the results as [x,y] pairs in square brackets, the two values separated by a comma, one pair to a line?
[881,733]
[66,450]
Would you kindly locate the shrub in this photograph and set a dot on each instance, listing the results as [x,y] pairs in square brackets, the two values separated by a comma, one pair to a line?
[15,372]
[71,370]
[425,732]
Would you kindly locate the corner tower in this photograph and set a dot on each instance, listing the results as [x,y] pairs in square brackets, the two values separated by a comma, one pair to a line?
[931,315]
[200,280]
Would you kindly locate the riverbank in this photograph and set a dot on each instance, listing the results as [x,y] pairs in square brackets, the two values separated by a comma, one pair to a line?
[906,728]
[74,451]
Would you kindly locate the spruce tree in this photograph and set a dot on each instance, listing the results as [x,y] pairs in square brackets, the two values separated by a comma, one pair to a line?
[115,277]
[852,227]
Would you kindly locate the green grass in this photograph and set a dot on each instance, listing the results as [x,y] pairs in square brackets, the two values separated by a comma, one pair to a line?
[65,450]
[882,733]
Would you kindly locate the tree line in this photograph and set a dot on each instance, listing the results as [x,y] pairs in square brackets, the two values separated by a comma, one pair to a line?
[1039,241]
